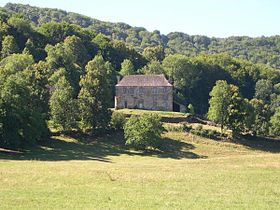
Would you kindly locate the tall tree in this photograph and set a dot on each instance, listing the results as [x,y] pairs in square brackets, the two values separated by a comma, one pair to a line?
[9,46]
[76,47]
[260,125]
[63,107]
[22,122]
[127,68]
[154,53]
[275,123]
[263,90]
[95,94]
[154,67]
[219,103]
[61,56]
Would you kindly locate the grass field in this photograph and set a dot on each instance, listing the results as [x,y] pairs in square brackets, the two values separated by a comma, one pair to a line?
[191,173]
[160,113]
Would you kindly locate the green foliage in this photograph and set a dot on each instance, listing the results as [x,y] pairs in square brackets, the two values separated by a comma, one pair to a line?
[228,107]
[21,23]
[118,121]
[275,123]
[144,131]
[238,111]
[61,56]
[207,133]
[257,50]
[260,122]
[9,46]
[154,53]
[95,94]
[153,67]
[21,120]
[263,90]
[63,107]
[13,64]
[219,103]
[57,48]
[190,109]
[127,68]
[76,47]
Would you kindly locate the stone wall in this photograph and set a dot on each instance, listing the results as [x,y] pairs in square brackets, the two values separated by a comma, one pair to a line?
[151,98]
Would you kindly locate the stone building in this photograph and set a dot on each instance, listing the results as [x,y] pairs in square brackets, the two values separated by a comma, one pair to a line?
[152,92]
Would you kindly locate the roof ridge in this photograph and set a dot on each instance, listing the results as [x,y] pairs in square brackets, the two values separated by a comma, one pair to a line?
[144,80]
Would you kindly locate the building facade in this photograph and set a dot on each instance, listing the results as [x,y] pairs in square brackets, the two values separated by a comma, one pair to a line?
[151,92]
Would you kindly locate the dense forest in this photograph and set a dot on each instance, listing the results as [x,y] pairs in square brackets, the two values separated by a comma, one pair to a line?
[257,50]
[59,69]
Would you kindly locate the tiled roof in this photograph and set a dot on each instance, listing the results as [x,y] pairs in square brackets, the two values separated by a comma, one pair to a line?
[144,80]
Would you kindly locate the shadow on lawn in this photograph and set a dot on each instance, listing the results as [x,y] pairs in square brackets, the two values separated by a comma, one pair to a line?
[95,148]
[260,143]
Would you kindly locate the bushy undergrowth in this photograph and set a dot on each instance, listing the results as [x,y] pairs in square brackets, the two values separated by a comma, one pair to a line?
[142,132]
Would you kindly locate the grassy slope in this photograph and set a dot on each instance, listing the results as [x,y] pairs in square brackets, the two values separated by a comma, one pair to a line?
[160,113]
[193,173]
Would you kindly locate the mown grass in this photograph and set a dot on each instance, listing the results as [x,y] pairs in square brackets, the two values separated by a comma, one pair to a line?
[190,173]
[160,113]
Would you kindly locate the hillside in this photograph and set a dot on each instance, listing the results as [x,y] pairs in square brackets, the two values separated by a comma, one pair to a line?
[258,50]
[100,173]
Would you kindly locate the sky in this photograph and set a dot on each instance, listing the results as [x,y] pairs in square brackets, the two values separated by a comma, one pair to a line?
[213,18]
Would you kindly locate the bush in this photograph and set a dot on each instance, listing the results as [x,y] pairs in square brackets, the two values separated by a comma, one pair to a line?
[190,109]
[212,134]
[144,131]
[118,121]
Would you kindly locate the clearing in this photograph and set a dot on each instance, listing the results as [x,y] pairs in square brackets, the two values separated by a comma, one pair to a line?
[74,172]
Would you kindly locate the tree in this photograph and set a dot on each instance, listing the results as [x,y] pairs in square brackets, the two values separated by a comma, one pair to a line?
[154,53]
[263,90]
[21,23]
[63,107]
[177,68]
[127,68]
[238,111]
[154,67]
[118,120]
[14,63]
[275,123]
[20,119]
[95,94]
[219,103]
[229,108]
[260,124]
[76,47]
[61,56]
[144,131]
[9,46]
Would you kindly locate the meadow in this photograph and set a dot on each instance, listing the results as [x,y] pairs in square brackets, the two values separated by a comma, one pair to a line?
[78,172]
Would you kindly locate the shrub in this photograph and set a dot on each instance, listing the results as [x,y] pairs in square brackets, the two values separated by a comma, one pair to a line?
[212,134]
[144,131]
[118,121]
[190,109]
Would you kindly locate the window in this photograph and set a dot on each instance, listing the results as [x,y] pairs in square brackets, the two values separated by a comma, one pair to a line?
[141,90]
[141,104]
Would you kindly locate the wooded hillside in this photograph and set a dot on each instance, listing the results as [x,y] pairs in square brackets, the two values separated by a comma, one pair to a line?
[258,50]
[60,74]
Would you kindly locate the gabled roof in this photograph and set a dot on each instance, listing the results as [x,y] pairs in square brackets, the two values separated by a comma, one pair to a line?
[144,81]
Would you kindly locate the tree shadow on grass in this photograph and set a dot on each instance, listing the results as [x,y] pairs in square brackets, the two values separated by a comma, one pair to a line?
[260,143]
[175,149]
[95,148]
